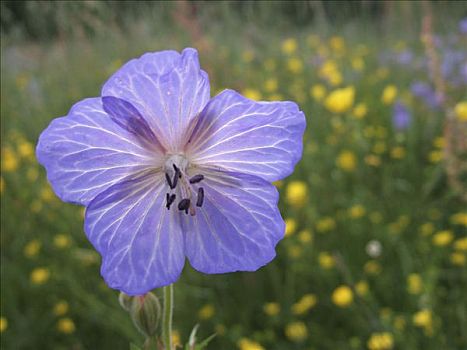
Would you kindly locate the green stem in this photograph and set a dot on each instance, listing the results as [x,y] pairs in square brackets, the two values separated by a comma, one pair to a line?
[167,315]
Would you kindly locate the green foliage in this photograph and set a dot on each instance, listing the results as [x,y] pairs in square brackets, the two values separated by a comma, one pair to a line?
[360,181]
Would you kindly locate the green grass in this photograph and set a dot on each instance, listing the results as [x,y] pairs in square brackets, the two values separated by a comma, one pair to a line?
[41,80]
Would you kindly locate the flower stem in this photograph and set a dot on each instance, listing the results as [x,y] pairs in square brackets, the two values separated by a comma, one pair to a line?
[167,317]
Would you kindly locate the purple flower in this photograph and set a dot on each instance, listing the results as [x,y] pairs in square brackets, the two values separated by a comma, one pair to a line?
[463,25]
[425,92]
[401,117]
[166,172]
[405,57]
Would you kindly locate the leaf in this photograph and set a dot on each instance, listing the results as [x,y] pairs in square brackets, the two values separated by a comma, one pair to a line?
[134,347]
[205,342]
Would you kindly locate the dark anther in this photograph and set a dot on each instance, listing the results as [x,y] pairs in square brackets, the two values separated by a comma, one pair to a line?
[197,178]
[184,205]
[200,199]
[167,177]
[170,199]
[177,171]
[175,180]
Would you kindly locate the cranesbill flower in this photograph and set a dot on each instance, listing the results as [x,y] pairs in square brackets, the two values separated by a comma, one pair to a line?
[166,172]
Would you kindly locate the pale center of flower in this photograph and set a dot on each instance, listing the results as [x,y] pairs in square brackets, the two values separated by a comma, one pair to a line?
[179,161]
[182,188]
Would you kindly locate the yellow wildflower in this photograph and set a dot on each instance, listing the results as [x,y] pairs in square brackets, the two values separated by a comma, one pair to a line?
[271,85]
[32,248]
[61,241]
[326,260]
[295,65]
[362,288]
[398,152]
[389,94]
[372,267]
[427,229]
[357,211]
[290,226]
[252,94]
[461,244]
[439,142]
[247,344]
[305,236]
[342,296]
[206,312]
[442,238]
[373,160]
[66,325]
[26,150]
[60,308]
[32,174]
[340,100]
[2,184]
[414,283]
[271,309]
[461,111]
[295,251]
[289,46]
[40,275]
[399,322]
[3,324]
[360,111]
[435,156]
[379,147]
[248,56]
[9,160]
[358,64]
[318,92]
[337,44]
[330,72]
[457,259]
[304,304]
[459,219]
[380,341]
[296,331]
[47,194]
[424,319]
[297,194]
[325,224]
[347,161]
[176,339]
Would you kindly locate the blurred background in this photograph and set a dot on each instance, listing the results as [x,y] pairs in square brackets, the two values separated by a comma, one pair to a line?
[375,250]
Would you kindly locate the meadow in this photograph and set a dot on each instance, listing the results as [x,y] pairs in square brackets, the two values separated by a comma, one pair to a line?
[374,255]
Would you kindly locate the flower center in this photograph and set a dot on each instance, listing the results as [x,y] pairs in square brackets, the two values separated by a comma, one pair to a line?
[181,185]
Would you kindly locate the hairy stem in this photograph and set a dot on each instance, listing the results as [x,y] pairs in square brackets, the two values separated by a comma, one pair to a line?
[167,317]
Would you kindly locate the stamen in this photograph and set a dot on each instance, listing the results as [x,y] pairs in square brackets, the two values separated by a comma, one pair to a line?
[200,199]
[167,177]
[176,176]
[177,171]
[170,199]
[197,178]
[184,204]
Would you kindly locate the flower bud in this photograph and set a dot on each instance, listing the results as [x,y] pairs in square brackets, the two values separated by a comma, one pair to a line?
[125,301]
[145,313]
